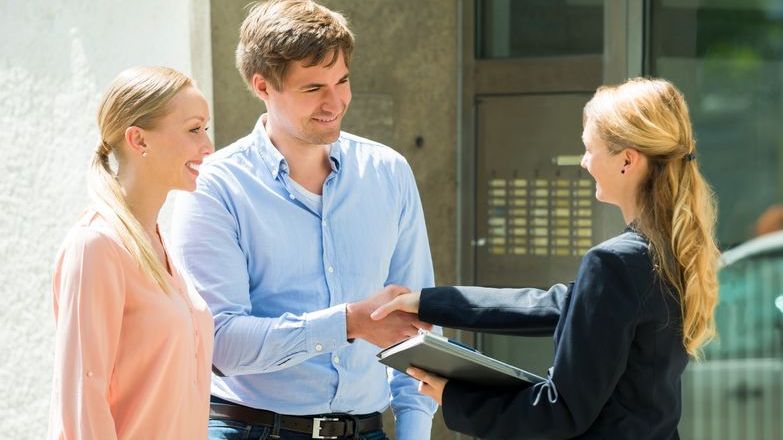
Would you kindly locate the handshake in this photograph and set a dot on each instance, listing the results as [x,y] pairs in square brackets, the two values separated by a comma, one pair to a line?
[385,318]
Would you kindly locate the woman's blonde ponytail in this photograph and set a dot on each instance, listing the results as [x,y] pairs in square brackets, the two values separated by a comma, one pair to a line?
[676,206]
[137,97]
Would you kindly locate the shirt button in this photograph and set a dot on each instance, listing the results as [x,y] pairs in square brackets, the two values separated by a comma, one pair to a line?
[89,374]
[319,347]
[336,360]
[291,196]
[323,222]
[330,269]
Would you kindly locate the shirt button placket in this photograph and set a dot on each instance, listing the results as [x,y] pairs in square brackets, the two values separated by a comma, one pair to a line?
[331,280]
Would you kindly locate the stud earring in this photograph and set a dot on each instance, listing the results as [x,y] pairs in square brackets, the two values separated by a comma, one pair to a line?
[622,171]
[144,154]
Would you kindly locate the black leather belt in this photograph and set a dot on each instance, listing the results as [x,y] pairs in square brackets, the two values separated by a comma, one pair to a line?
[327,426]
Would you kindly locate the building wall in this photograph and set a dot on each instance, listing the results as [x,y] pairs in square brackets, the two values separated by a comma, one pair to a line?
[404,83]
[404,77]
[55,60]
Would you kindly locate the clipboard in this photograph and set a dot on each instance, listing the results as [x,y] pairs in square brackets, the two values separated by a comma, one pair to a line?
[452,360]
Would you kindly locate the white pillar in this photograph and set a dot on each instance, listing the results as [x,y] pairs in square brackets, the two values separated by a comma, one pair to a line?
[56,58]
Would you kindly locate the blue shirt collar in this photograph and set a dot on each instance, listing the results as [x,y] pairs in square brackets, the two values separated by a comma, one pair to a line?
[275,161]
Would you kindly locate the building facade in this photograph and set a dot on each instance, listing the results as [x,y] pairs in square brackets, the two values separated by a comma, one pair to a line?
[484,98]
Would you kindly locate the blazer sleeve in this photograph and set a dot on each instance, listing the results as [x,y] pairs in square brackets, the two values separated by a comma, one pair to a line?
[521,312]
[592,351]
[89,297]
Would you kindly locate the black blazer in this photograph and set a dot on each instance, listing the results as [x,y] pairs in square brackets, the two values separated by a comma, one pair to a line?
[618,359]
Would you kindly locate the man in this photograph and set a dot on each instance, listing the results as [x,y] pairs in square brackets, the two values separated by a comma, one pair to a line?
[290,228]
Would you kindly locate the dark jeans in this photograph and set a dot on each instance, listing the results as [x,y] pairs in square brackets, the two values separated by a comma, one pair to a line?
[234,430]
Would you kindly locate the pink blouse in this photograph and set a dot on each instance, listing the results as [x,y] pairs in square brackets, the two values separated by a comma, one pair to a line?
[131,362]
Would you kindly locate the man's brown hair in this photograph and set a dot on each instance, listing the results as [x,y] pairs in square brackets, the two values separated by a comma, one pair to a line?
[277,32]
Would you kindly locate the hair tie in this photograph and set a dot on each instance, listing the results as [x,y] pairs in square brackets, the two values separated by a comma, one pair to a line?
[104,148]
[689,157]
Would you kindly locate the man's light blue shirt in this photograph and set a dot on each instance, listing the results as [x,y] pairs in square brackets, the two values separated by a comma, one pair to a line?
[277,270]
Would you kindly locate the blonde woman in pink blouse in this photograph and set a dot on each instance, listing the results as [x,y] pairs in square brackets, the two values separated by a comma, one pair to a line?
[133,342]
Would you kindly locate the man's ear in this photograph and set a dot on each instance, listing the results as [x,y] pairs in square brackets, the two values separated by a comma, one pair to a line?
[260,86]
[134,137]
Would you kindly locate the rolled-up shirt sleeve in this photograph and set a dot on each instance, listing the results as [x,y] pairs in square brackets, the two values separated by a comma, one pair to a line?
[89,297]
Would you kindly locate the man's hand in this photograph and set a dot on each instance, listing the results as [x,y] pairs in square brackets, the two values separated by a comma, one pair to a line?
[430,384]
[392,329]
[405,302]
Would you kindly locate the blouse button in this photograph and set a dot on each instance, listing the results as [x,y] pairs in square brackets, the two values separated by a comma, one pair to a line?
[89,374]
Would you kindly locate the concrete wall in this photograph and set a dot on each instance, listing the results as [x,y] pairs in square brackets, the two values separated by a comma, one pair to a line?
[55,60]
[404,82]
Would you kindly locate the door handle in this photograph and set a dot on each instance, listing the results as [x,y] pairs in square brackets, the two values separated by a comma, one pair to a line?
[743,392]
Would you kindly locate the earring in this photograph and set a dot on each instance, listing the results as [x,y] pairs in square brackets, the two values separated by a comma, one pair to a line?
[621,171]
[144,154]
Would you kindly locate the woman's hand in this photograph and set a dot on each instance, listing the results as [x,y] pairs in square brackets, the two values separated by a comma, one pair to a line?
[407,302]
[430,384]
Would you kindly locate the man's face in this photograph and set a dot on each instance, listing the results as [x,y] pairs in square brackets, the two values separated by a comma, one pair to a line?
[310,106]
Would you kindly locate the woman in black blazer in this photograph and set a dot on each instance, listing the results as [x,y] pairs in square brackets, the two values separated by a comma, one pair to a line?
[641,305]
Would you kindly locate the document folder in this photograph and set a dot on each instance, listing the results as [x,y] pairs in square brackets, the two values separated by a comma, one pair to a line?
[452,360]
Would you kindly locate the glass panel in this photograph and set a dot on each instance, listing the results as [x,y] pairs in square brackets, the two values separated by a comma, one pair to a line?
[727,57]
[736,392]
[538,28]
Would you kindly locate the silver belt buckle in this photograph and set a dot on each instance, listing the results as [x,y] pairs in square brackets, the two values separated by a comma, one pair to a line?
[317,427]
